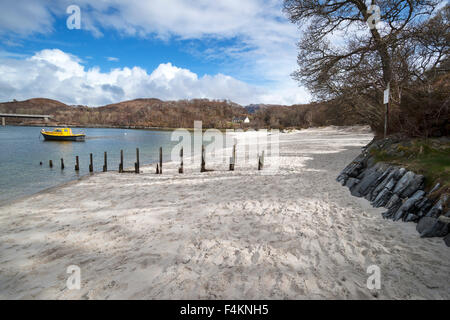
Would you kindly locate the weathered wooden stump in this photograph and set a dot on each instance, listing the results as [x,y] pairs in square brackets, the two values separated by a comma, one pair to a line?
[136,164]
[105,162]
[121,162]
[261,161]
[160,160]
[203,165]
[180,170]
[91,163]
[233,158]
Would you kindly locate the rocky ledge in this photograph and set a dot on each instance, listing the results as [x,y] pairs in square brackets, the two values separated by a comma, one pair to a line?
[400,191]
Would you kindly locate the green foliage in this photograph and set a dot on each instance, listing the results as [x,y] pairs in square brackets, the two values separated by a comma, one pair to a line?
[430,157]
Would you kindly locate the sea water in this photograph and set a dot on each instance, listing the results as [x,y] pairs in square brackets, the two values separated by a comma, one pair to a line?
[23,148]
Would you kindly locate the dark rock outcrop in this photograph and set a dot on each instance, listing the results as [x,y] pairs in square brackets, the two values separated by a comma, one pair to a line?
[411,218]
[400,191]
[393,205]
[379,184]
[431,227]
[382,198]
[408,205]
[447,240]
[436,210]
[367,180]
[351,182]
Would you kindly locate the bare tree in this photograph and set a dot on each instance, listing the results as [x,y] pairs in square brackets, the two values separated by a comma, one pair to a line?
[431,43]
[344,50]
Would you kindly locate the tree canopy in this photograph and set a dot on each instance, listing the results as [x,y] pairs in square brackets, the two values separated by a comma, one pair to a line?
[351,50]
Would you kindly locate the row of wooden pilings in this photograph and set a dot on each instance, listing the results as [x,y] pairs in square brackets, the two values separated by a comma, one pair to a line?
[158,164]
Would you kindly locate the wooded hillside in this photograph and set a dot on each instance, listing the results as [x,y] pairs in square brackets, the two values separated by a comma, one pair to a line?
[181,114]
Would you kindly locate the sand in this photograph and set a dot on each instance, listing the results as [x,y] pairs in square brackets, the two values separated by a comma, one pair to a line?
[292,234]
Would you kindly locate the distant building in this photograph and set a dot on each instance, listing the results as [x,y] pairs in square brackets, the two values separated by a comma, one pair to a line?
[241,120]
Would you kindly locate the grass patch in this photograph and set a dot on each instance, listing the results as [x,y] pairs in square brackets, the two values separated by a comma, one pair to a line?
[431,158]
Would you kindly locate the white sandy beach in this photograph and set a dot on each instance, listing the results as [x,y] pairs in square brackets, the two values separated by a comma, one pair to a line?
[293,234]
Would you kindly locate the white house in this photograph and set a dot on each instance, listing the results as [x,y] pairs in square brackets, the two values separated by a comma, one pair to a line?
[241,120]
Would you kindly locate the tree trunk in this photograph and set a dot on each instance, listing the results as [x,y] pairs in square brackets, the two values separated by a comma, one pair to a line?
[383,52]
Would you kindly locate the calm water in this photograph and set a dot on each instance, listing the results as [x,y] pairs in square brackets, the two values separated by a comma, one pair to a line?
[22,148]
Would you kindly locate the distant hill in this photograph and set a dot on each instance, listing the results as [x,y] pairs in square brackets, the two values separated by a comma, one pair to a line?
[253,108]
[147,113]
[133,113]
[34,106]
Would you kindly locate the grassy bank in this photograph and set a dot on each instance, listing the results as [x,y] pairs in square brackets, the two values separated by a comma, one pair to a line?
[429,157]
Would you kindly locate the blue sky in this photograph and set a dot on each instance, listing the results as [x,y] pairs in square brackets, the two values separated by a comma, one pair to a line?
[169,49]
[114,50]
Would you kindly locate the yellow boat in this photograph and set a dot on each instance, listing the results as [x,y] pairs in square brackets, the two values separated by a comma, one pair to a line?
[62,134]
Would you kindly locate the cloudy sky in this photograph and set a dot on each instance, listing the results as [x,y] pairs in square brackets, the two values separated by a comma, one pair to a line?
[169,49]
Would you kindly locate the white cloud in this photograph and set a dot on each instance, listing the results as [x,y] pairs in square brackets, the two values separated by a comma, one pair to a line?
[263,40]
[23,17]
[251,40]
[112,59]
[55,74]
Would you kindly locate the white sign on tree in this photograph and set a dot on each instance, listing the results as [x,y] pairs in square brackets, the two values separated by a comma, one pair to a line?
[386,96]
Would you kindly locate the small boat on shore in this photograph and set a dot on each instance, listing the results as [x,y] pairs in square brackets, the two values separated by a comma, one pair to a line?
[62,134]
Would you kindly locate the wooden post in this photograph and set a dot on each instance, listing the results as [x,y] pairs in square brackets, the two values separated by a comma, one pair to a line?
[203,169]
[105,163]
[157,168]
[121,162]
[261,161]
[3,121]
[77,164]
[50,163]
[231,164]
[180,170]
[91,165]
[62,164]
[233,158]
[136,164]
[160,160]
[40,163]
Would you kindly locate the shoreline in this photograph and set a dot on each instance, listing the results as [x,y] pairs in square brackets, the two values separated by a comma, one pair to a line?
[75,178]
[290,234]
[67,183]
[97,127]
[285,130]
[120,127]
[43,191]
[62,184]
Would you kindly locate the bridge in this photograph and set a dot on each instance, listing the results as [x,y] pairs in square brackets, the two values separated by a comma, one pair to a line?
[28,116]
